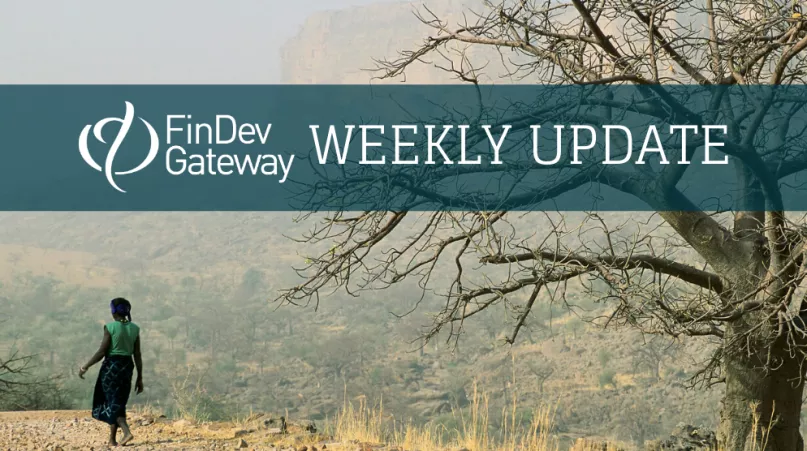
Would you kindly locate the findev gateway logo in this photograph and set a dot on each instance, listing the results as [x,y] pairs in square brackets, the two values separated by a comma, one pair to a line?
[178,159]
[126,124]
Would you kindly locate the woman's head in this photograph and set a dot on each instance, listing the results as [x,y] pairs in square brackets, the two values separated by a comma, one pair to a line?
[121,308]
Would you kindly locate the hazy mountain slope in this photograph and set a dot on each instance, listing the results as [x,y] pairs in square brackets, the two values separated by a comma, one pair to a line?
[343,47]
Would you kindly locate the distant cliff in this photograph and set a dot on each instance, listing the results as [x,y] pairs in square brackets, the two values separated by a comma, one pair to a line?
[340,46]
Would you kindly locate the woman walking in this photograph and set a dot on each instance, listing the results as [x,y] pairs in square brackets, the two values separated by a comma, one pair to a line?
[120,345]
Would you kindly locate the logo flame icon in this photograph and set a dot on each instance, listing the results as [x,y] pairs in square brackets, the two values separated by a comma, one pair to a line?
[126,123]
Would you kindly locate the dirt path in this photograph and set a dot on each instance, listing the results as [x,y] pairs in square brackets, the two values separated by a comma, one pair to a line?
[75,430]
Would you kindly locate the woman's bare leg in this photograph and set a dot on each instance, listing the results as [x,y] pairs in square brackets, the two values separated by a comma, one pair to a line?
[113,431]
[127,434]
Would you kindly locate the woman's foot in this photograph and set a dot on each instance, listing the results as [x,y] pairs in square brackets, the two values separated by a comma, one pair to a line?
[112,443]
[126,439]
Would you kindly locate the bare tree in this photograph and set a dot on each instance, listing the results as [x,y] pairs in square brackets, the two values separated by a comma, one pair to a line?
[650,355]
[10,371]
[21,390]
[542,371]
[731,278]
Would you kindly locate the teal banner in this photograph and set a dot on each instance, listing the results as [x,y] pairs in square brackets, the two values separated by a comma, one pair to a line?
[401,147]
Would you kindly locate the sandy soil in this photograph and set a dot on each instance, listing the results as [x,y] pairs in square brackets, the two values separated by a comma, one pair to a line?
[75,430]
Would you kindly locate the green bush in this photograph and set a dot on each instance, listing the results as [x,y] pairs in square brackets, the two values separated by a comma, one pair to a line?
[607,377]
[604,357]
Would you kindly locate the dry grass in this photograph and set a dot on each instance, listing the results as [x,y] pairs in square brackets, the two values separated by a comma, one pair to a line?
[145,410]
[363,423]
[244,420]
[192,401]
[760,435]
[369,425]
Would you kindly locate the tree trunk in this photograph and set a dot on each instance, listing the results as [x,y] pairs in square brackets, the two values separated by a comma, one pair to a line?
[762,411]
[762,404]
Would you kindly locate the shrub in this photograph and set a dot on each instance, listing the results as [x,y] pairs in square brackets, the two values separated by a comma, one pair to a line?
[604,357]
[607,377]
[193,402]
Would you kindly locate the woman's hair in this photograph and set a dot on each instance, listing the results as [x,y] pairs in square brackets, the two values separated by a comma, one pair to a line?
[121,307]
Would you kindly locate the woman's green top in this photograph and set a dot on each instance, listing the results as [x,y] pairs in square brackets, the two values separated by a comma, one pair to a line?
[124,335]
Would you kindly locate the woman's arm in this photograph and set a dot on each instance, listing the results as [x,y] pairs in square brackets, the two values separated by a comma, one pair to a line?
[138,358]
[102,350]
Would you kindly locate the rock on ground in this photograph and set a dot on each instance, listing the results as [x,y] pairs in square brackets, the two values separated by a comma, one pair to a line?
[686,437]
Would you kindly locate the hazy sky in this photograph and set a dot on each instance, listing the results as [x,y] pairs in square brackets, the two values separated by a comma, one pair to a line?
[149,41]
